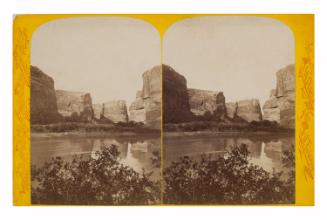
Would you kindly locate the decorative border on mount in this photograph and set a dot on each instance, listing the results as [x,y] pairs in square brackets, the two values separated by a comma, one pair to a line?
[302,26]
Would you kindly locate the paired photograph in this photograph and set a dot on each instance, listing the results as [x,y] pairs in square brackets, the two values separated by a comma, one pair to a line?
[202,115]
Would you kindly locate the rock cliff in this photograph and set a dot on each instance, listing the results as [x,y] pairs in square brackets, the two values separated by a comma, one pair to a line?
[176,107]
[152,97]
[43,98]
[147,106]
[115,111]
[136,109]
[231,109]
[203,102]
[280,106]
[249,110]
[75,105]
[98,111]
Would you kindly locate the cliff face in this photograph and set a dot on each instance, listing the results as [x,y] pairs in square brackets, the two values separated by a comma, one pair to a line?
[231,109]
[98,111]
[136,109]
[43,98]
[204,101]
[152,97]
[176,105]
[147,106]
[249,110]
[115,111]
[280,106]
[75,104]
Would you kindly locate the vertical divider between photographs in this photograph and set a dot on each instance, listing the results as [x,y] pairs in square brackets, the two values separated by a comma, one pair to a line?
[161,127]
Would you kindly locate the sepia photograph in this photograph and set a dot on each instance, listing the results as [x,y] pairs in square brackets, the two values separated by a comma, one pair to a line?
[163,110]
[228,111]
[95,112]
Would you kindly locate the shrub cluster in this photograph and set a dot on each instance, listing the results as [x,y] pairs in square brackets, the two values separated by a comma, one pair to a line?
[104,180]
[101,180]
[229,179]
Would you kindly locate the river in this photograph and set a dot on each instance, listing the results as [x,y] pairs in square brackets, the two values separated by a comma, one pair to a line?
[265,150]
[134,151]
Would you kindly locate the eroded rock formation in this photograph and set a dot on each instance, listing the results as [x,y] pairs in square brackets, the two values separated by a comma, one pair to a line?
[176,107]
[231,109]
[98,111]
[136,109]
[43,98]
[203,102]
[115,111]
[75,105]
[147,106]
[249,110]
[280,106]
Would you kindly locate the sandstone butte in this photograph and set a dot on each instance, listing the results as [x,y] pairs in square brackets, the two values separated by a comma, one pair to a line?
[181,104]
[75,104]
[280,106]
[49,105]
[147,106]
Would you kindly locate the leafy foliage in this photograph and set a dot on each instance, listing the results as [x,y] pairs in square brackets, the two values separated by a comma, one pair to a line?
[101,180]
[229,179]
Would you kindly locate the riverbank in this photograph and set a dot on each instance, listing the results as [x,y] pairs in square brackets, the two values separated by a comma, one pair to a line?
[77,134]
[179,134]
[226,126]
[77,128]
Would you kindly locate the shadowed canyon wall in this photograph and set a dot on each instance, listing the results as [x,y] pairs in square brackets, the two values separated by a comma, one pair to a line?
[176,105]
[43,98]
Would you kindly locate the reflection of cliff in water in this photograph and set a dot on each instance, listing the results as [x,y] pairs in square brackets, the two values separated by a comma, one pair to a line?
[133,152]
[265,151]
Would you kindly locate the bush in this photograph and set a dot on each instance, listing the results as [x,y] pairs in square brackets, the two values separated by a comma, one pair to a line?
[228,179]
[101,180]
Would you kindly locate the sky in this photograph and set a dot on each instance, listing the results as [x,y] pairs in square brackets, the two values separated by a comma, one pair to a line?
[238,55]
[105,56]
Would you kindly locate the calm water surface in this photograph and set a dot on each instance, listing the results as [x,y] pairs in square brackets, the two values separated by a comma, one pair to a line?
[134,152]
[265,150]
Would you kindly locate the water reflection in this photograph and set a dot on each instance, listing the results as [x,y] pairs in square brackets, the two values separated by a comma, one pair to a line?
[265,151]
[133,152]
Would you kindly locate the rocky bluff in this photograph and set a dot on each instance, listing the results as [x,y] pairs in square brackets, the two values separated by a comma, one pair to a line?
[204,102]
[114,111]
[248,110]
[75,104]
[49,105]
[147,106]
[280,106]
[182,104]
[176,106]
[43,98]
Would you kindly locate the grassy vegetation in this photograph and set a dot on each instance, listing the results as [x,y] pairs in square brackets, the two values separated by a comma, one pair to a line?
[216,126]
[92,127]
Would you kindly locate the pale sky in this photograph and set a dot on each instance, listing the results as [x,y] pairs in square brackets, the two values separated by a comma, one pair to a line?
[237,55]
[105,56]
